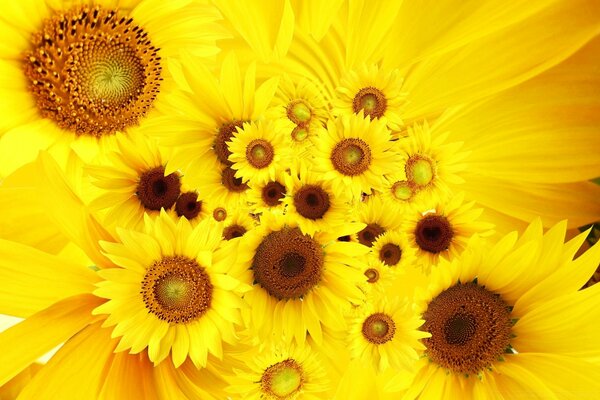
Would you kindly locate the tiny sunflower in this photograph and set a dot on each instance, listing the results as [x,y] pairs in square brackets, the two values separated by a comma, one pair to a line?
[393,250]
[267,196]
[374,212]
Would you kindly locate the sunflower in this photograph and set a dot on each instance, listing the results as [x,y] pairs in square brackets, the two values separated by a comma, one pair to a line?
[259,152]
[443,229]
[507,320]
[237,224]
[377,277]
[301,282]
[393,249]
[375,92]
[313,203]
[267,196]
[374,212]
[173,293]
[134,183]
[355,153]
[280,371]
[106,75]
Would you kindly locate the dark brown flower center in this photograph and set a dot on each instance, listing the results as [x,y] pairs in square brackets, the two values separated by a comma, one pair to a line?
[379,328]
[368,235]
[156,191]
[351,157]
[288,264]
[272,193]
[390,254]
[372,275]
[470,328]
[92,70]
[233,231]
[224,135]
[232,183]
[371,100]
[188,206]
[434,233]
[345,238]
[259,153]
[311,201]
[176,289]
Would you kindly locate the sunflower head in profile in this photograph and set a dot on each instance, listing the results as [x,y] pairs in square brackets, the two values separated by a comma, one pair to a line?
[175,290]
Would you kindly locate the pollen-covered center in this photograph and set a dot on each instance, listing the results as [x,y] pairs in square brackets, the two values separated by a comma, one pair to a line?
[311,201]
[390,254]
[299,112]
[220,214]
[272,193]
[156,191]
[378,328]
[92,70]
[370,232]
[420,170]
[188,206]
[282,380]
[224,135]
[434,233]
[176,289]
[232,183]
[371,100]
[300,133]
[288,264]
[372,275]
[351,157]
[403,190]
[470,328]
[259,153]
[233,231]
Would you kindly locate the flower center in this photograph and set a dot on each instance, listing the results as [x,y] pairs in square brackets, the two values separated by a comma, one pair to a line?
[390,254]
[434,233]
[420,170]
[272,193]
[470,328]
[378,328]
[220,214]
[311,201]
[403,190]
[176,289]
[224,135]
[299,133]
[232,183]
[156,191]
[259,153]
[188,206]
[368,235]
[288,264]
[92,71]
[282,379]
[233,231]
[351,156]
[299,112]
[371,100]
[372,275]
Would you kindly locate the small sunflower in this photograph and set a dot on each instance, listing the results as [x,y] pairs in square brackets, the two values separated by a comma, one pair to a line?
[374,212]
[393,249]
[374,91]
[259,152]
[267,196]
[174,291]
[237,224]
[355,153]
[301,282]
[377,277]
[281,372]
[507,320]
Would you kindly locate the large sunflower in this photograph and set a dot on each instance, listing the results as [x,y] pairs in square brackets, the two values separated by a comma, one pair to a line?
[507,321]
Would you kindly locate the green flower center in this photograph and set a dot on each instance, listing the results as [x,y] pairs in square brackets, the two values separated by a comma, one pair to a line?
[283,379]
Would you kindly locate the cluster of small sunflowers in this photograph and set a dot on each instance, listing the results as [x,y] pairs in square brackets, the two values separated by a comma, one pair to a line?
[299,199]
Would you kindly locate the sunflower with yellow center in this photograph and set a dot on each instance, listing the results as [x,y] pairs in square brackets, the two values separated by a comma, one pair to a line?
[507,320]
[393,250]
[258,152]
[134,182]
[267,196]
[173,292]
[443,229]
[300,282]
[313,203]
[355,153]
[374,91]
[279,371]
[77,72]
[374,212]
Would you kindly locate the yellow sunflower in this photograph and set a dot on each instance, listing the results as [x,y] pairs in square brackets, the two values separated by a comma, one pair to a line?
[174,291]
[103,73]
[375,92]
[393,249]
[312,202]
[267,196]
[374,212]
[300,282]
[280,371]
[354,153]
[507,320]
[259,152]
[443,229]
[237,224]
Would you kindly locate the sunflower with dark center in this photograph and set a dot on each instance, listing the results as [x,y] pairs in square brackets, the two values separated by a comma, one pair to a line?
[298,270]
[156,191]
[393,249]
[224,135]
[188,205]
[434,233]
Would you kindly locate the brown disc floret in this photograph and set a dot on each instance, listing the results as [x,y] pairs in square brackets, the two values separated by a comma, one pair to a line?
[371,100]
[156,191]
[378,328]
[311,201]
[272,193]
[369,233]
[188,205]
[351,157]
[224,135]
[390,254]
[434,233]
[232,183]
[259,153]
